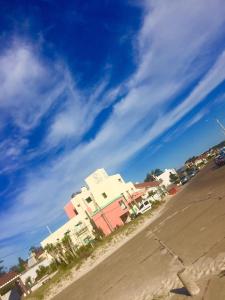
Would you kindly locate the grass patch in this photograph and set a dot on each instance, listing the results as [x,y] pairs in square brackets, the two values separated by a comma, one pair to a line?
[43,290]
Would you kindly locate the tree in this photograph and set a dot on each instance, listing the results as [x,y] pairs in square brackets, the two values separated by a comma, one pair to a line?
[151,194]
[21,265]
[34,249]
[68,244]
[191,159]
[41,272]
[56,251]
[14,269]
[149,177]
[174,178]
[99,234]
[51,249]
[152,175]
[157,172]
[61,253]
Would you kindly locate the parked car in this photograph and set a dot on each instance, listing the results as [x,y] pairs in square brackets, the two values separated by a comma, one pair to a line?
[192,173]
[184,179]
[144,206]
[220,159]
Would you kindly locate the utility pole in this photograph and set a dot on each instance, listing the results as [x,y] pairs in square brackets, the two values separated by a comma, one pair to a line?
[221,125]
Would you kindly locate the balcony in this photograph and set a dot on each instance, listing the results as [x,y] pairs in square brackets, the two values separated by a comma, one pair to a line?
[81,230]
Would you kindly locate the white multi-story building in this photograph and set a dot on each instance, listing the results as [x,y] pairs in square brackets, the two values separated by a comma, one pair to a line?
[105,188]
[79,229]
[105,201]
[108,195]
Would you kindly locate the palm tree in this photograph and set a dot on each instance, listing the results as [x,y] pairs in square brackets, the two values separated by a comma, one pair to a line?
[68,244]
[50,249]
[61,253]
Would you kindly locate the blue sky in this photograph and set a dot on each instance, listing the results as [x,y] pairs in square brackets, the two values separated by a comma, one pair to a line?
[124,85]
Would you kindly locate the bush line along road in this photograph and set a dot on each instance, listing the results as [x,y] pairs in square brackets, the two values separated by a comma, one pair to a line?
[190,233]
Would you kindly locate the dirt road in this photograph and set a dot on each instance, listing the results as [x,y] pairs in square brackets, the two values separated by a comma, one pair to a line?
[192,227]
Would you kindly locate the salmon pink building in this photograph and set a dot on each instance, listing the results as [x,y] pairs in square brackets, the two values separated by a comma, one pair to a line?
[116,213]
[108,201]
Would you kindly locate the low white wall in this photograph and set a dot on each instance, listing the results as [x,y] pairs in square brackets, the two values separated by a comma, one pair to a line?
[32,271]
[41,282]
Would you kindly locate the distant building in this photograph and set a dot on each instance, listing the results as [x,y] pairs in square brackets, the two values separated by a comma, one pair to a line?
[151,187]
[32,260]
[200,162]
[165,177]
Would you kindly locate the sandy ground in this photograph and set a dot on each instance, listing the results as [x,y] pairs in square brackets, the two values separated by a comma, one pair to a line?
[189,231]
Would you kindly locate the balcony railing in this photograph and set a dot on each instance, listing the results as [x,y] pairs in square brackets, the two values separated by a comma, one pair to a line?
[81,230]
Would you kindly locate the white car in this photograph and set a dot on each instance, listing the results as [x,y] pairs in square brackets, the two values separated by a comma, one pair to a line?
[144,206]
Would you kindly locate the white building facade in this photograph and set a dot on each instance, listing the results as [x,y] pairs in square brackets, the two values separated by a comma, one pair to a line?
[104,188]
[100,191]
[79,229]
[165,176]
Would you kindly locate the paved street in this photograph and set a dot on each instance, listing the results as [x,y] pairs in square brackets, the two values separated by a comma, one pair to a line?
[192,227]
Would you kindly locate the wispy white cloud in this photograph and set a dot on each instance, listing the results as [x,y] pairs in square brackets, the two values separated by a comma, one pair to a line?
[31,88]
[28,86]
[173,50]
[196,118]
[186,125]
[80,110]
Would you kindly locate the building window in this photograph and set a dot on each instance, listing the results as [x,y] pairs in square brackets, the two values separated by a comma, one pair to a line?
[88,200]
[120,180]
[75,211]
[78,225]
[104,195]
[122,204]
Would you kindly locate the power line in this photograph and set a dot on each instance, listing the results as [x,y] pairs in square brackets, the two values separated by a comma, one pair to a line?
[12,253]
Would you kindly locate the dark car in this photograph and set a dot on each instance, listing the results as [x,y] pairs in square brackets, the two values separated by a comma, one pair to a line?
[184,179]
[192,173]
[220,159]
